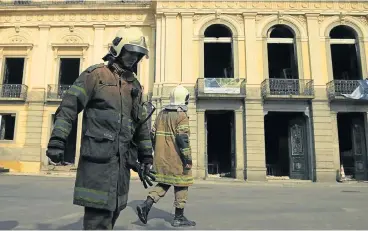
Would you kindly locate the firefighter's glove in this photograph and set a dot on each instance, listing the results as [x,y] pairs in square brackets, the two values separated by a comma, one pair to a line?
[56,155]
[145,173]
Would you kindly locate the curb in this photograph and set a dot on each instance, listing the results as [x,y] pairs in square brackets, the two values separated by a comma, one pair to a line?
[274,183]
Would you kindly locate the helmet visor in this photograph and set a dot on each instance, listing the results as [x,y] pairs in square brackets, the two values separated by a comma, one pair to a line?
[136,48]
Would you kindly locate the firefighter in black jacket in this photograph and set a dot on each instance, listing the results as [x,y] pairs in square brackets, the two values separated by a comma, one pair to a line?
[115,136]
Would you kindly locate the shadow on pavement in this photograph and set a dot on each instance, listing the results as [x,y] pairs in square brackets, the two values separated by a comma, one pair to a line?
[6,225]
[154,213]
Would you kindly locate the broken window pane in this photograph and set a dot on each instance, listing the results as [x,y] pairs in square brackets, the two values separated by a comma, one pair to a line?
[7,126]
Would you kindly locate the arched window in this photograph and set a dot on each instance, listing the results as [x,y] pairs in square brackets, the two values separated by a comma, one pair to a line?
[282,55]
[218,52]
[345,55]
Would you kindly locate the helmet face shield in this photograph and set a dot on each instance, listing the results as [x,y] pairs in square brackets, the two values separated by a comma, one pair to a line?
[136,49]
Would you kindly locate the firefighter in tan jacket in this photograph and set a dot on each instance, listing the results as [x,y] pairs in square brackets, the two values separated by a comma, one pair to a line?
[172,158]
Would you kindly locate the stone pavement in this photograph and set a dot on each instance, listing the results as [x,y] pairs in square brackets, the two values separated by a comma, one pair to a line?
[39,202]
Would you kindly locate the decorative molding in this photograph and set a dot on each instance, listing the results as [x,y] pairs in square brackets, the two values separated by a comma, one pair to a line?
[74,17]
[25,45]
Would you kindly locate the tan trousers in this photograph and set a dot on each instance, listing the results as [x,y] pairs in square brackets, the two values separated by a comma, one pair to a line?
[159,191]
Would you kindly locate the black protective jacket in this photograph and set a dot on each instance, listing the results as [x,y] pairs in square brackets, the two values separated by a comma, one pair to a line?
[111,140]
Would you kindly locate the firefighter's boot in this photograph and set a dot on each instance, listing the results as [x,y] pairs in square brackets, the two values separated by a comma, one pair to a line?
[180,220]
[144,208]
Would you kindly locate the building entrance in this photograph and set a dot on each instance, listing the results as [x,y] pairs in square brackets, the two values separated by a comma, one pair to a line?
[220,143]
[286,145]
[352,144]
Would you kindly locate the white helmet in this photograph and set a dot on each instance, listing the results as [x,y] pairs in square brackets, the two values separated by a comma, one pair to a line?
[130,39]
[179,96]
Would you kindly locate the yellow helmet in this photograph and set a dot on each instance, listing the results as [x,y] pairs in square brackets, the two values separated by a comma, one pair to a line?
[130,39]
[179,96]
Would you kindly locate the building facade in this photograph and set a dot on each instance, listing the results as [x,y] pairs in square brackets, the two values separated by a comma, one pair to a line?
[266,78]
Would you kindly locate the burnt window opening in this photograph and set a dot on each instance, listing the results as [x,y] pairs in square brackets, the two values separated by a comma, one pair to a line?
[282,55]
[342,32]
[218,52]
[13,71]
[7,126]
[345,55]
[69,70]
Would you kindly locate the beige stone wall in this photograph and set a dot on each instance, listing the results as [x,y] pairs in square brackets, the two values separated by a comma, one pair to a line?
[174,32]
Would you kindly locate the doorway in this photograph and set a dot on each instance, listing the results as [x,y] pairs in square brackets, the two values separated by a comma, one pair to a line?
[71,144]
[352,144]
[286,145]
[220,142]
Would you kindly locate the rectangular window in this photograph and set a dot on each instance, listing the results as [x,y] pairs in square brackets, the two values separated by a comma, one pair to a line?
[7,126]
[13,71]
[68,70]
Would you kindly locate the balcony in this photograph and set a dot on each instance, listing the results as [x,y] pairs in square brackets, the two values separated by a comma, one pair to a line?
[287,89]
[336,88]
[220,88]
[13,92]
[56,92]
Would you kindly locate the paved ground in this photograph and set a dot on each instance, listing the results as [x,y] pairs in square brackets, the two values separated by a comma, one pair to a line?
[35,202]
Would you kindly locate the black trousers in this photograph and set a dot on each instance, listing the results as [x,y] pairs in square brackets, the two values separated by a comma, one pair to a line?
[98,219]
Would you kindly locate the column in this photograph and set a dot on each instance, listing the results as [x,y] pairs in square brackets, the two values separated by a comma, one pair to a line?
[187,50]
[251,52]
[363,43]
[1,62]
[335,143]
[33,150]
[201,144]
[171,76]
[314,50]
[98,52]
[239,144]
[254,141]
[152,59]
[324,142]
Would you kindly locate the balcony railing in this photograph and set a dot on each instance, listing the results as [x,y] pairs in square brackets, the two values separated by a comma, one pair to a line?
[56,92]
[336,88]
[287,88]
[220,88]
[13,91]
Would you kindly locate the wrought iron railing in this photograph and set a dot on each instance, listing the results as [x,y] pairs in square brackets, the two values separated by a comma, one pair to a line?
[336,88]
[220,87]
[13,91]
[55,91]
[68,2]
[287,88]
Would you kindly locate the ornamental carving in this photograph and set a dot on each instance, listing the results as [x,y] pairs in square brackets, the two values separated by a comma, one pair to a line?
[72,39]
[363,19]
[17,39]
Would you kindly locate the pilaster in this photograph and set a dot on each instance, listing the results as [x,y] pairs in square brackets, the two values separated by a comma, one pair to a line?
[314,50]
[201,144]
[255,143]
[239,144]
[98,43]
[187,75]
[171,76]
[251,52]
